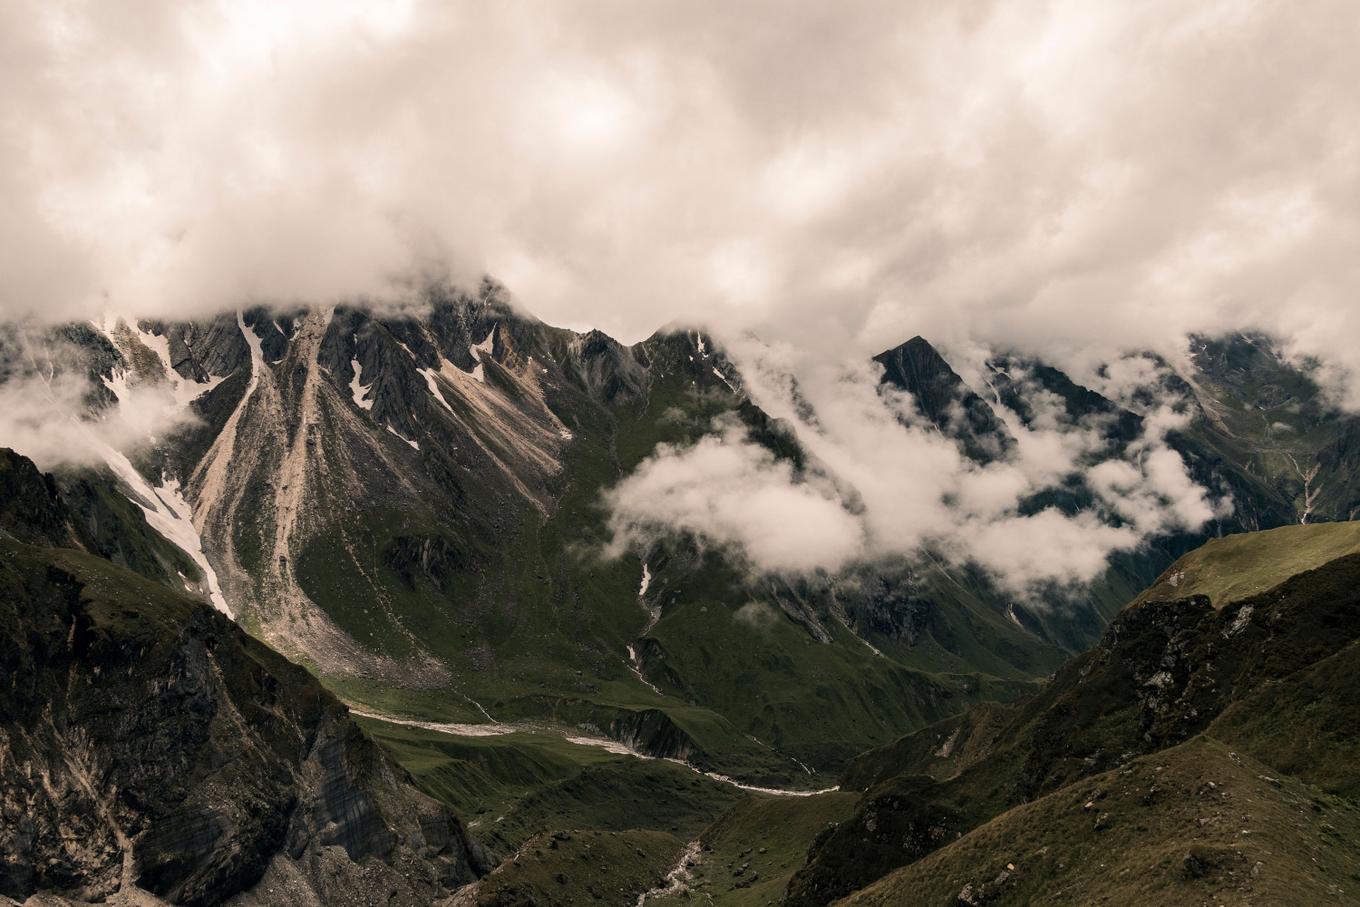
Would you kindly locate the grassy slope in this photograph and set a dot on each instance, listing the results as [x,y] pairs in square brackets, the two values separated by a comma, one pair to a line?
[1279,662]
[820,703]
[543,635]
[1240,566]
[1197,823]
[1304,725]
[750,853]
[936,751]
[139,611]
[518,785]
[571,868]
[765,677]
[134,608]
[525,790]
[115,599]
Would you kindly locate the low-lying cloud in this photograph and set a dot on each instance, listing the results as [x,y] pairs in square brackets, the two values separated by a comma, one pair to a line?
[60,407]
[50,420]
[729,491]
[883,483]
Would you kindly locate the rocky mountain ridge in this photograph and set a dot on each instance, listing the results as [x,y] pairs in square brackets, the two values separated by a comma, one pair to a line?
[407,502]
[152,752]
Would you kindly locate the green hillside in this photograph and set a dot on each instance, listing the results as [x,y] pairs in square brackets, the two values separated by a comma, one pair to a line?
[1194,824]
[1236,567]
[1201,753]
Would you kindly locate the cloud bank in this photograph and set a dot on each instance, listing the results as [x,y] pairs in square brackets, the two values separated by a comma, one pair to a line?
[883,483]
[1072,178]
[729,491]
[1064,179]
[49,420]
[57,411]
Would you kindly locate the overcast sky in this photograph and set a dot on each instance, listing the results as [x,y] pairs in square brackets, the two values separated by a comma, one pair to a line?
[1069,177]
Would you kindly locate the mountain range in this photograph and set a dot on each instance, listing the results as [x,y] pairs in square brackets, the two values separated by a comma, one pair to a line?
[365,565]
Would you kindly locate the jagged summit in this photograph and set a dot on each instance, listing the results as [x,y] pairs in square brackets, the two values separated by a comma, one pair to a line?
[944,399]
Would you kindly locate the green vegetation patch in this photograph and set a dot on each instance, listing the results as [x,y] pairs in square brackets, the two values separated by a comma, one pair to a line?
[1305,724]
[572,868]
[514,786]
[1240,566]
[1195,824]
[748,855]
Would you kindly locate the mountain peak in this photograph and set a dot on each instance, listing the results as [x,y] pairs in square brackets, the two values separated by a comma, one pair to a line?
[944,398]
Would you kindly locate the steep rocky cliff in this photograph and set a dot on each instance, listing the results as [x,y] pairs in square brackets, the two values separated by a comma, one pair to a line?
[147,745]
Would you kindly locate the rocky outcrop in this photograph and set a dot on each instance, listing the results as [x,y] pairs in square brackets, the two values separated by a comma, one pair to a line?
[148,745]
[654,733]
[29,503]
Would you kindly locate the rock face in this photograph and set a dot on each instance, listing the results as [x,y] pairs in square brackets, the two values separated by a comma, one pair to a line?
[411,500]
[29,504]
[943,398]
[147,743]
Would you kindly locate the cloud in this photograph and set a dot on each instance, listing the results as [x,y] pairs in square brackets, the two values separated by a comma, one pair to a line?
[729,491]
[49,420]
[1154,492]
[883,484]
[56,411]
[1025,552]
[1072,179]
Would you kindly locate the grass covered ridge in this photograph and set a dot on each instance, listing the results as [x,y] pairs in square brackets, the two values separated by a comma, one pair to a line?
[1194,824]
[1239,566]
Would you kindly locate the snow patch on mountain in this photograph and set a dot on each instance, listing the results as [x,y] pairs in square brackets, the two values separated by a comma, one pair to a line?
[256,352]
[122,333]
[723,378]
[415,445]
[430,376]
[478,350]
[356,386]
[118,385]
[169,514]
